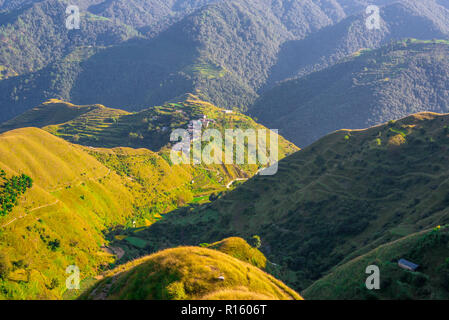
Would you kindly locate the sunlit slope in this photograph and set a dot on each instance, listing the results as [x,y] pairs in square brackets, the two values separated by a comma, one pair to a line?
[190,273]
[335,200]
[55,112]
[78,193]
[240,249]
[429,249]
[59,221]
[99,126]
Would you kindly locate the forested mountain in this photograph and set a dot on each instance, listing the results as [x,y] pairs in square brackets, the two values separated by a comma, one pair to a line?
[36,35]
[369,88]
[399,20]
[227,52]
[333,201]
[221,51]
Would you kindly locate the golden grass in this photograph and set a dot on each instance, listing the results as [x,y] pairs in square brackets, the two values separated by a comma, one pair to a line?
[190,273]
[240,249]
[74,198]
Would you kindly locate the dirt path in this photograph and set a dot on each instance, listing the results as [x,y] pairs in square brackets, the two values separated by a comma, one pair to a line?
[26,215]
[81,182]
[238,179]
[119,252]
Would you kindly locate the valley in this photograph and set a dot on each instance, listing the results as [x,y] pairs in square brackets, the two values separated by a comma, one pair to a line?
[224,150]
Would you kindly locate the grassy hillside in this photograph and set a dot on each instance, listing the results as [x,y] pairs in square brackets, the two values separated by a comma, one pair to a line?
[60,220]
[429,249]
[369,88]
[77,203]
[109,193]
[189,273]
[98,126]
[240,249]
[337,199]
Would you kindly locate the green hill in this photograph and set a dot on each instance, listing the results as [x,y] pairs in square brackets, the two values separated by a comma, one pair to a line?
[189,273]
[98,126]
[335,200]
[328,46]
[429,249]
[240,249]
[81,199]
[60,220]
[254,45]
[108,193]
[367,89]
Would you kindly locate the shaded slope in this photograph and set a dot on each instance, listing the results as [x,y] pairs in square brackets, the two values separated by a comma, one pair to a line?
[429,249]
[370,88]
[337,199]
[399,20]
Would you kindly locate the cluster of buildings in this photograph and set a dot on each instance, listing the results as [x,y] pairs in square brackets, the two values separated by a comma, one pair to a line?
[203,122]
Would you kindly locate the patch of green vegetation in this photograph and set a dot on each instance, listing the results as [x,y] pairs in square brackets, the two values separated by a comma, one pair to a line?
[11,189]
[140,243]
[208,70]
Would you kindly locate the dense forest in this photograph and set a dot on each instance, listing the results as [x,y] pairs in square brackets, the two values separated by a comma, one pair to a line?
[227,53]
[367,89]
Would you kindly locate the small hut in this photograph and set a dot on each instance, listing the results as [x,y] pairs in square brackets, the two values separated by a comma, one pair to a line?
[407,265]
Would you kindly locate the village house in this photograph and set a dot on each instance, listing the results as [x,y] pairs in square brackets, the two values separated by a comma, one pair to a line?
[407,265]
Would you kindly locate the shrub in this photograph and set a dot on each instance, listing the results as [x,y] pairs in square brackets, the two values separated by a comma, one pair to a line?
[256,242]
[5,266]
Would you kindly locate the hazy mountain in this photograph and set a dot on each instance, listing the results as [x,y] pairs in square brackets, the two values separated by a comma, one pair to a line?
[400,20]
[370,88]
[227,52]
[222,52]
[112,183]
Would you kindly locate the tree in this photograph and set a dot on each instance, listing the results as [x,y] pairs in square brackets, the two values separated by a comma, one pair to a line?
[256,242]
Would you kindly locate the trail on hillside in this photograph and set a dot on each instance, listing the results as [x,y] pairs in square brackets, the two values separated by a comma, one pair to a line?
[228,186]
[26,215]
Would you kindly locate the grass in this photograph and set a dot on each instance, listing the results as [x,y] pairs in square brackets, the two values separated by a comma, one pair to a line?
[83,196]
[52,211]
[137,242]
[189,273]
[331,202]
[240,249]
[429,249]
